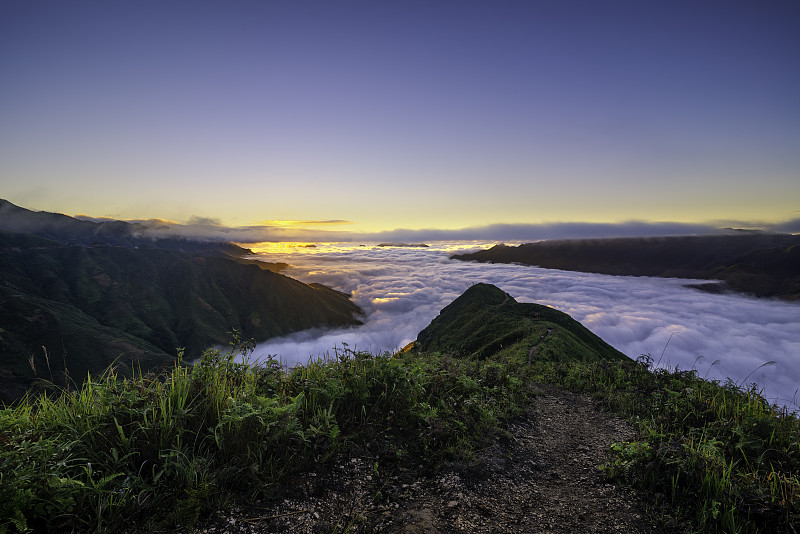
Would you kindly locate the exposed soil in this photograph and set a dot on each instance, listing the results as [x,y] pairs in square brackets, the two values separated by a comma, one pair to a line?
[541,477]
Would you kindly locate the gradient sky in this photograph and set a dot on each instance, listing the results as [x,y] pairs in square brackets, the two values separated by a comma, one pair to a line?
[430,114]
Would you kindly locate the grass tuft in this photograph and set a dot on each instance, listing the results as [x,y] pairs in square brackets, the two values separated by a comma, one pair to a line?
[718,451]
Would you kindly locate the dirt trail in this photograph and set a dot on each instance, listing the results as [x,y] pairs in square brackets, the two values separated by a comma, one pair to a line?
[536,345]
[541,479]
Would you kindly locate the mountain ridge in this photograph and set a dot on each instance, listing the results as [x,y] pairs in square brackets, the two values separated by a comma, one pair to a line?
[68,308]
[759,264]
[72,231]
[485,321]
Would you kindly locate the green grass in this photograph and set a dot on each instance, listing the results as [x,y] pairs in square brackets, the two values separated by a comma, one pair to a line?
[720,455]
[161,450]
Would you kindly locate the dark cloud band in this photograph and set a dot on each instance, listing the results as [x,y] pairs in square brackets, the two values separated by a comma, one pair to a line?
[203,228]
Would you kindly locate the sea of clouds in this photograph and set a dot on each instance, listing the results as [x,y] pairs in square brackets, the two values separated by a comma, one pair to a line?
[402,289]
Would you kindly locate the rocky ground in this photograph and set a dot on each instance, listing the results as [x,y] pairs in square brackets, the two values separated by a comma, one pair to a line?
[540,477]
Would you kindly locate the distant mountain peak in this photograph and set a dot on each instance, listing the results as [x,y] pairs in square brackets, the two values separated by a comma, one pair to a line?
[482,294]
[485,290]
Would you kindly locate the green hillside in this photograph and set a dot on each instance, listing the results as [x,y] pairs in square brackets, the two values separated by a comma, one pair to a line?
[487,322]
[85,307]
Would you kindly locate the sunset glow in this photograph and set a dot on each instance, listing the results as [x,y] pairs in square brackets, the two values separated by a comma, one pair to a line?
[281,247]
[370,117]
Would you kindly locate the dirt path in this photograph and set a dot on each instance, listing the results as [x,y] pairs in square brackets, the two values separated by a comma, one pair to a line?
[536,346]
[543,478]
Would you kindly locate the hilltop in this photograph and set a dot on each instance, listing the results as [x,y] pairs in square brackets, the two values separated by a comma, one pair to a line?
[760,264]
[486,321]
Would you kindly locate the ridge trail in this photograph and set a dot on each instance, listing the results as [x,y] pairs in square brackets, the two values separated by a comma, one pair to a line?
[542,477]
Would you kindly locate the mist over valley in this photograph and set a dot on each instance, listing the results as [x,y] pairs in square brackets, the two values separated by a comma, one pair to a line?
[79,287]
[401,290]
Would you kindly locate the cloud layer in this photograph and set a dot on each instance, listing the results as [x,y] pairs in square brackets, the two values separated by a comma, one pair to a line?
[211,229]
[402,290]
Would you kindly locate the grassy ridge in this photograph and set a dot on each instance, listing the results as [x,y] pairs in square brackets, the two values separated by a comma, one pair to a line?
[486,321]
[159,451]
[721,455]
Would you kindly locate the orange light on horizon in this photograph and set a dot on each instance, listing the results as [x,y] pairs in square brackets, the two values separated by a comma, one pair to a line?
[294,223]
[280,247]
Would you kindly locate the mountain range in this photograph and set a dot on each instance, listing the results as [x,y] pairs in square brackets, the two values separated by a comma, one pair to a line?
[77,295]
[755,263]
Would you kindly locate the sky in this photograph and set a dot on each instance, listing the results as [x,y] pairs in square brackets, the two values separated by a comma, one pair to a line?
[376,117]
[401,290]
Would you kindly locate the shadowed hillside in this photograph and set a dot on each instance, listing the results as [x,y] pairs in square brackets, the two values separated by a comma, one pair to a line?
[71,231]
[67,309]
[764,265]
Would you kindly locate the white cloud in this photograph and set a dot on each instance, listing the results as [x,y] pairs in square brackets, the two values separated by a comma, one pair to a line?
[403,289]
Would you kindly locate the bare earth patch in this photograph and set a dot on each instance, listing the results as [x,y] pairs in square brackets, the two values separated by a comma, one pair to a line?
[540,478]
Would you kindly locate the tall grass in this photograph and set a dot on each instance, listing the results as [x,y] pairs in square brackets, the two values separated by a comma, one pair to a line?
[160,450]
[719,453]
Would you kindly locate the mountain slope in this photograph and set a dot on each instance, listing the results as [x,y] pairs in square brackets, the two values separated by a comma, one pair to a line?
[765,265]
[71,231]
[487,322]
[68,309]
